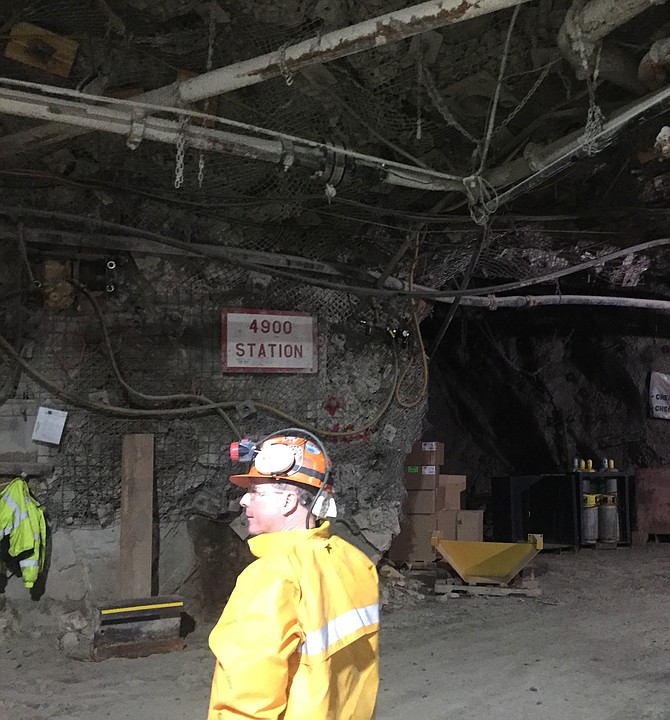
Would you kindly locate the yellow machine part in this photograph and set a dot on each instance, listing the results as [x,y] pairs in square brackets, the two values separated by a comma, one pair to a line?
[487,562]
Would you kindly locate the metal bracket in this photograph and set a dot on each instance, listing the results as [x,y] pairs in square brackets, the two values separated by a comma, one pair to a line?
[288,156]
[334,167]
[136,134]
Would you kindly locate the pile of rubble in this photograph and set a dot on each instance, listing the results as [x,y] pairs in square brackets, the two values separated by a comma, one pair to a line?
[397,590]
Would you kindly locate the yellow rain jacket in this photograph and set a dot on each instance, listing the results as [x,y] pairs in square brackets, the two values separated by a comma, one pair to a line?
[22,518]
[298,639]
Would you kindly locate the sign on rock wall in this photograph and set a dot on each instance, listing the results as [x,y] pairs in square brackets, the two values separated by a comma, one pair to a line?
[659,395]
[268,341]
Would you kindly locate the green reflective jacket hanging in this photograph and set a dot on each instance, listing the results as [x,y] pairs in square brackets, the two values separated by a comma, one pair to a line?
[22,518]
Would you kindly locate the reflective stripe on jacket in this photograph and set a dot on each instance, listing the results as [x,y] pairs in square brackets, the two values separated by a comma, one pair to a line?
[22,518]
[298,639]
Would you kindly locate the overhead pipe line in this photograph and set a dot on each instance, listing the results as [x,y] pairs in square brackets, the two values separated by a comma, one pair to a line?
[523,174]
[366,35]
[529,172]
[277,148]
[583,41]
[533,301]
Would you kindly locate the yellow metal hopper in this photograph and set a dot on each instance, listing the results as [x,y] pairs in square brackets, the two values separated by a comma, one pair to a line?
[487,562]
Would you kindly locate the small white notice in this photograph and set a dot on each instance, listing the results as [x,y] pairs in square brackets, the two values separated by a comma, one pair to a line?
[49,425]
[659,395]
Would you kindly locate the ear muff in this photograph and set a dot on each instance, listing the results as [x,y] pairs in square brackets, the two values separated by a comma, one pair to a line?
[274,459]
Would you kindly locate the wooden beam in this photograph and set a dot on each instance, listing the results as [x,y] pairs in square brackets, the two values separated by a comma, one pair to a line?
[137,494]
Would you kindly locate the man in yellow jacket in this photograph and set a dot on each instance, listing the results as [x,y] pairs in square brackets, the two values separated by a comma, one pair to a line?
[298,639]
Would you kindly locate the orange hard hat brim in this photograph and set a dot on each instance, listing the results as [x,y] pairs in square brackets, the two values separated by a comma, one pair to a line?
[244,481]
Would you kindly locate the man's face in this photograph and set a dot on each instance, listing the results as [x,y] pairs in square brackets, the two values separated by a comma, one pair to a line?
[265,506]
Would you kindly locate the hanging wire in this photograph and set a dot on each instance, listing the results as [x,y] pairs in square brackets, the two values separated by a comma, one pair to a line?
[180,152]
[442,107]
[24,254]
[283,67]
[208,66]
[496,96]
[131,390]
[474,259]
[540,79]
[408,404]
[595,118]
[419,83]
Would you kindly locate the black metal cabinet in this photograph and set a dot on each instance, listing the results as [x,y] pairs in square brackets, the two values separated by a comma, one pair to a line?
[551,504]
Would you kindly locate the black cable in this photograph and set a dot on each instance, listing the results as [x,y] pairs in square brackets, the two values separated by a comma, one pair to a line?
[442,294]
[218,252]
[464,284]
[8,351]
[128,388]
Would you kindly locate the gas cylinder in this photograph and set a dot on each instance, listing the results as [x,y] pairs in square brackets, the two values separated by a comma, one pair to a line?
[608,518]
[589,519]
[611,485]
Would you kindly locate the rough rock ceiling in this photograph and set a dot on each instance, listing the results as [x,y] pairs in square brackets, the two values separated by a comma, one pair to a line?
[544,118]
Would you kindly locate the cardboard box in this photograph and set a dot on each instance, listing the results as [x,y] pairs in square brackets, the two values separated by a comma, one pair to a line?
[465,525]
[446,521]
[421,477]
[426,453]
[453,487]
[470,525]
[413,542]
[425,502]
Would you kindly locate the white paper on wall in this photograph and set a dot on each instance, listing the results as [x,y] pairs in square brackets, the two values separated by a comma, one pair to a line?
[49,425]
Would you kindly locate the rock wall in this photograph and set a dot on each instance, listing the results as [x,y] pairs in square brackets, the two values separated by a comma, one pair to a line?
[159,318]
[527,392]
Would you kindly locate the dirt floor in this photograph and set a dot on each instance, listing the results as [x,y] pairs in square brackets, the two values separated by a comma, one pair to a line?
[594,646]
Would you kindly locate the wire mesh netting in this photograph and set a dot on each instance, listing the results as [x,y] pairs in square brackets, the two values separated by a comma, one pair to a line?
[163,315]
[371,102]
[164,331]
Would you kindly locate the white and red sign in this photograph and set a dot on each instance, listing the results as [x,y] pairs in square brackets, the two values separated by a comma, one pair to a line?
[659,395]
[268,341]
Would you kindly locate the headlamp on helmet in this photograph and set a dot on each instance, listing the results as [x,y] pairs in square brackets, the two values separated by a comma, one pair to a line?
[284,458]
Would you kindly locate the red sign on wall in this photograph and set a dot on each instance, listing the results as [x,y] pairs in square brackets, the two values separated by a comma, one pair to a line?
[268,341]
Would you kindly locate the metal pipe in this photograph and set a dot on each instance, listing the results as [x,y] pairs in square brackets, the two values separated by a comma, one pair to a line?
[319,49]
[541,163]
[532,301]
[356,38]
[584,28]
[653,69]
[599,18]
[131,123]
[126,122]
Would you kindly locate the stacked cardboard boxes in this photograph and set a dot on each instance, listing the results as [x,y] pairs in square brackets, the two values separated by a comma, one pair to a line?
[434,502]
